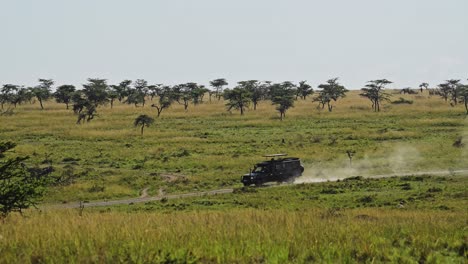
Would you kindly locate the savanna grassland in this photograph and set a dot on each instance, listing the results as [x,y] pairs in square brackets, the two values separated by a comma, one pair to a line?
[399,219]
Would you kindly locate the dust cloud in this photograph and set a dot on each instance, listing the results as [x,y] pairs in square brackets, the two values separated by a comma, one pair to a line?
[399,160]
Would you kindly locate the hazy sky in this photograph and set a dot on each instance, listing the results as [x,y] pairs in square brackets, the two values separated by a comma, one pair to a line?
[175,41]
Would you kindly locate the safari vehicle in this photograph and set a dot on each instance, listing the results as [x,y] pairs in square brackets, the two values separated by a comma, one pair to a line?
[277,169]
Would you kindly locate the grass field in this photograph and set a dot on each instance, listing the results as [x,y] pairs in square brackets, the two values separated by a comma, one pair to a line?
[401,219]
[208,148]
[406,220]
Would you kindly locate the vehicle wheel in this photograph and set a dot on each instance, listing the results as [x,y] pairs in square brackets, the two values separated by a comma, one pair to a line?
[290,180]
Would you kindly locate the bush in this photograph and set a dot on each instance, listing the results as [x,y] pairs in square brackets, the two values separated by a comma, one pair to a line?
[20,187]
[402,101]
[366,199]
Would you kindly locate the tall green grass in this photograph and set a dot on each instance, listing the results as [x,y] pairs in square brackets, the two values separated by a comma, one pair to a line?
[237,236]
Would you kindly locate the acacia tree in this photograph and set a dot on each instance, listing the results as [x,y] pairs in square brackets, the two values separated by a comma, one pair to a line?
[83,108]
[374,91]
[238,98]
[14,95]
[20,187]
[256,90]
[7,93]
[424,85]
[218,85]
[463,95]
[282,95]
[453,89]
[95,91]
[122,89]
[182,94]
[64,93]
[141,88]
[23,95]
[331,91]
[166,98]
[143,121]
[43,90]
[154,90]
[304,90]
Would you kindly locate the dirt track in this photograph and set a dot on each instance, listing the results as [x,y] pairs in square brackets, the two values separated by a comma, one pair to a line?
[144,198]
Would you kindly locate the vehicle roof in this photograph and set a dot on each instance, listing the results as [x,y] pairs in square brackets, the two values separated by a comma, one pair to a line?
[263,163]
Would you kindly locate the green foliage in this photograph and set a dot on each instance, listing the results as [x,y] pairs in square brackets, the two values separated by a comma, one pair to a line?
[20,186]
[374,91]
[282,95]
[64,94]
[304,90]
[143,121]
[239,99]
[331,91]
[402,101]
[218,85]
[43,90]
[95,91]
[166,98]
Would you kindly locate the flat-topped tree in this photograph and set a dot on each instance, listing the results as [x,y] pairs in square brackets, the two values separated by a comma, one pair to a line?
[23,95]
[95,91]
[122,89]
[166,98]
[138,94]
[64,94]
[463,95]
[424,85]
[43,90]
[143,121]
[15,95]
[374,91]
[141,88]
[304,90]
[257,91]
[238,98]
[454,90]
[218,85]
[154,90]
[6,93]
[449,90]
[182,94]
[82,107]
[282,95]
[331,91]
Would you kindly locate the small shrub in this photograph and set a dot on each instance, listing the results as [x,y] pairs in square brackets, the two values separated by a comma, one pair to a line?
[406,186]
[96,188]
[331,191]
[443,207]
[402,101]
[355,178]
[458,143]
[315,139]
[69,159]
[434,189]
[333,140]
[366,199]
[245,189]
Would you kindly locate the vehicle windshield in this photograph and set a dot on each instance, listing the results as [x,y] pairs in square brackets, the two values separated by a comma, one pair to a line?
[259,169]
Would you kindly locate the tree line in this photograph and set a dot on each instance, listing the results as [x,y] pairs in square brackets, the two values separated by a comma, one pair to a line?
[97,92]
